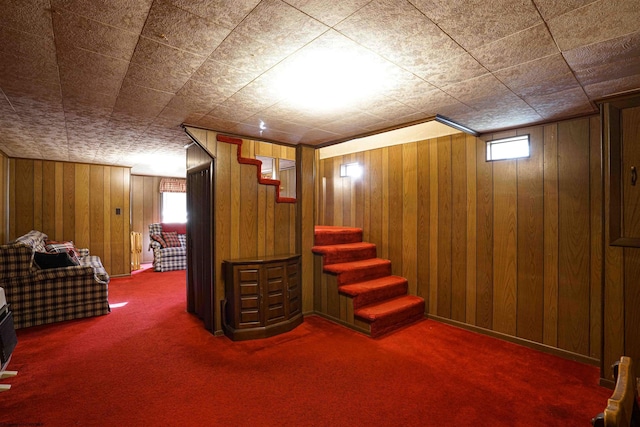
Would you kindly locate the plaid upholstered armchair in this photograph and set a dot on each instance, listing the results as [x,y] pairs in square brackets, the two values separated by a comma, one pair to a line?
[45,286]
[169,245]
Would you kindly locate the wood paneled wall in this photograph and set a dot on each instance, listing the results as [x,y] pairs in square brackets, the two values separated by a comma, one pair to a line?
[248,221]
[145,208]
[73,201]
[4,194]
[511,247]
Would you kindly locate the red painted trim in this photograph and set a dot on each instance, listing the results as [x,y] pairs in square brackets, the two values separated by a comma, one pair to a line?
[258,164]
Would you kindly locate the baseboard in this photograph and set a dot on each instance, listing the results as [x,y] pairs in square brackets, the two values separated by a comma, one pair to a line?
[521,341]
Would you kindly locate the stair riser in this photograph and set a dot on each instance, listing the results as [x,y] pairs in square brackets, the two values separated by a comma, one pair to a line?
[393,321]
[361,275]
[381,294]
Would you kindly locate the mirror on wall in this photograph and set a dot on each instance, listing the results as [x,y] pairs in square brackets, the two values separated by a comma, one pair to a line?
[283,170]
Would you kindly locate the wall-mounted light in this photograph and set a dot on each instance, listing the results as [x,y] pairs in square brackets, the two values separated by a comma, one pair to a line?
[352,170]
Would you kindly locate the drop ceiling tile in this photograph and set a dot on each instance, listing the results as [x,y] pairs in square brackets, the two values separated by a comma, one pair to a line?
[21,44]
[261,120]
[74,31]
[398,32]
[170,117]
[552,8]
[478,22]
[266,134]
[155,78]
[318,136]
[566,103]
[28,67]
[604,53]
[176,27]
[615,70]
[249,55]
[217,73]
[215,123]
[385,108]
[487,86]
[165,59]
[275,22]
[329,13]
[124,14]
[224,12]
[83,71]
[31,16]
[523,46]
[206,93]
[454,70]
[491,119]
[613,86]
[231,114]
[595,22]
[540,77]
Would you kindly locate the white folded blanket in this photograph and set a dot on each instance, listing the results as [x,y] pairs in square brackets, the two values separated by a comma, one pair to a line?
[3,300]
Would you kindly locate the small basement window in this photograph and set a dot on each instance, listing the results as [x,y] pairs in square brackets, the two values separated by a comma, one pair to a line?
[508,148]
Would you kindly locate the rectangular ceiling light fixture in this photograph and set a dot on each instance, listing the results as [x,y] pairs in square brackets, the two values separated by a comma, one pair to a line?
[515,147]
[451,123]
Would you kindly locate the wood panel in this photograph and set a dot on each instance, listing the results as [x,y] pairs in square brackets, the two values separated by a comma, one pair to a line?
[72,201]
[395,207]
[530,244]
[574,240]
[505,241]
[444,227]
[458,227]
[4,196]
[409,234]
[484,236]
[424,224]
[471,314]
[550,236]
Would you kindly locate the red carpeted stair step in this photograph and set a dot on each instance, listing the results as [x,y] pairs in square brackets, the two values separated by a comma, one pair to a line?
[334,235]
[376,290]
[359,271]
[392,314]
[335,254]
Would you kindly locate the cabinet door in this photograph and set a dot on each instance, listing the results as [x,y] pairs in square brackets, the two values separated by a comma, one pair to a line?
[294,305]
[630,134]
[248,290]
[274,289]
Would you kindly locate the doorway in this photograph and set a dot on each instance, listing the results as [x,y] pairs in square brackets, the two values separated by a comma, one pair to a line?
[200,252]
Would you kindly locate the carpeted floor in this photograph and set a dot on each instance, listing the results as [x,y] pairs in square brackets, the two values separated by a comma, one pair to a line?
[149,363]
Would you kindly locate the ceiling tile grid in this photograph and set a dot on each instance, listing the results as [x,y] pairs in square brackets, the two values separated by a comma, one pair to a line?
[107,81]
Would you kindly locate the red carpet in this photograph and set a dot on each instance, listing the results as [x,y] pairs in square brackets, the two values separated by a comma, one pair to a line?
[149,363]
[379,298]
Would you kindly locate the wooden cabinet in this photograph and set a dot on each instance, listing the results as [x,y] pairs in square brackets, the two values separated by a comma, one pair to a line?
[262,296]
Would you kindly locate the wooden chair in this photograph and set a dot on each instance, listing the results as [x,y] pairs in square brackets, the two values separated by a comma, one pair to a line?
[622,408]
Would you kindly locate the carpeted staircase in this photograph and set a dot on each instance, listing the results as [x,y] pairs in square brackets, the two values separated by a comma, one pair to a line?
[378,299]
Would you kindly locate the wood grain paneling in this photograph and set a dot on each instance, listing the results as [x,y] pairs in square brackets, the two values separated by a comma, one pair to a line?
[444,227]
[484,236]
[495,240]
[505,259]
[574,241]
[4,195]
[530,288]
[459,215]
[73,201]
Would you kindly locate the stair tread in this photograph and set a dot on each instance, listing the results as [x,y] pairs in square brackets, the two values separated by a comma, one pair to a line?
[358,288]
[375,311]
[356,265]
[330,234]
